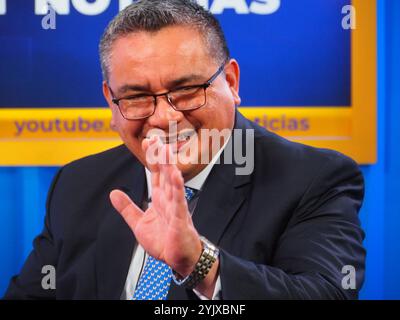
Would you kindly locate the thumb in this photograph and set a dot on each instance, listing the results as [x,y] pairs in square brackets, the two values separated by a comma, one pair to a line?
[126,207]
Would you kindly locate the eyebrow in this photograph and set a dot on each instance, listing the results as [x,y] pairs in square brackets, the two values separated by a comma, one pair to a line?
[170,85]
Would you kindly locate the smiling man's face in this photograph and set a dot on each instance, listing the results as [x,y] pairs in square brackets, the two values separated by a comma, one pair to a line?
[152,63]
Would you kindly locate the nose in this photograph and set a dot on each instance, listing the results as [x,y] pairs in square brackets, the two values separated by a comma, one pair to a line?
[164,114]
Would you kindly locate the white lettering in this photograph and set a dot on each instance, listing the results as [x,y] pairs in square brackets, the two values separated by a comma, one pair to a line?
[248,158]
[167,310]
[349,20]
[349,280]
[240,6]
[49,280]
[203,3]
[265,6]
[59,6]
[3,7]
[91,8]
[124,3]
[96,7]
[49,20]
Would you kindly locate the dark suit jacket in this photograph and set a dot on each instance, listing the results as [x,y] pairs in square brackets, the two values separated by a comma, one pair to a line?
[285,231]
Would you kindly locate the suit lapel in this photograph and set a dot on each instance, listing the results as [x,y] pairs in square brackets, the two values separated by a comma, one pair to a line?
[116,241]
[224,190]
[219,201]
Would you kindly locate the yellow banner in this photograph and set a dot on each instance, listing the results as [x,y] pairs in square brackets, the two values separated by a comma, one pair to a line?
[57,136]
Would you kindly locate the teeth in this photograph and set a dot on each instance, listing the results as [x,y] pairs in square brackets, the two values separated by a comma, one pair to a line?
[184,136]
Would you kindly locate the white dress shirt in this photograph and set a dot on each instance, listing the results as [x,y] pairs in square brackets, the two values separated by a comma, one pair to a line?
[139,256]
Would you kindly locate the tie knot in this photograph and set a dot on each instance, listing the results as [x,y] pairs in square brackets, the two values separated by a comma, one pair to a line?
[189,193]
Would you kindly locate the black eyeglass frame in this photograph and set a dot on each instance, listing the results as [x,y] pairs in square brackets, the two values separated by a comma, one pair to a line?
[166,94]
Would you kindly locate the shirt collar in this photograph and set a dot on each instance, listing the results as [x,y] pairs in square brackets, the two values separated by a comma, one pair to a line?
[197,181]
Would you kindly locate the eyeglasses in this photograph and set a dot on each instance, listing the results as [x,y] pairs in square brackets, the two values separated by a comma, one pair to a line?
[186,98]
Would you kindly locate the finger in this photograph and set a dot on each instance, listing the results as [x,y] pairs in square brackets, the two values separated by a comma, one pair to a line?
[167,171]
[150,149]
[169,157]
[160,194]
[126,207]
[162,168]
[178,193]
[164,174]
[163,197]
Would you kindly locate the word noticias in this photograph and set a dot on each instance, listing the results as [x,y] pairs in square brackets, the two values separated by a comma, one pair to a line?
[283,123]
[96,7]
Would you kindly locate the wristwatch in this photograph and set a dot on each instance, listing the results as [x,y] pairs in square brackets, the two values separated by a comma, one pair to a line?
[207,258]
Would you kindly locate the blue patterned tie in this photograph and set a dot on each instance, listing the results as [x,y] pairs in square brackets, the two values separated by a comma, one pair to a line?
[156,278]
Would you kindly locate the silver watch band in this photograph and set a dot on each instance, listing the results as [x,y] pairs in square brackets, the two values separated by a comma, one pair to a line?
[207,258]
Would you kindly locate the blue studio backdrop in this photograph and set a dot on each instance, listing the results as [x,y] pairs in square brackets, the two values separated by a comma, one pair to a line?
[37,58]
[23,190]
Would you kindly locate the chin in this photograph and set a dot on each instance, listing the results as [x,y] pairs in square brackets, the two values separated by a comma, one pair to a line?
[187,170]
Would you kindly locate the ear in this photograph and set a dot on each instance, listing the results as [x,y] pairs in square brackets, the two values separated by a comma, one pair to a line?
[232,76]
[111,105]
[107,94]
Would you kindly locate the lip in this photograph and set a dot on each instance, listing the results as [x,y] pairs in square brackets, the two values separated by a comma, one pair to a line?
[177,141]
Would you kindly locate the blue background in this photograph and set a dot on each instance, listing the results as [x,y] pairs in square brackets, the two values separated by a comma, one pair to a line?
[298,56]
[23,190]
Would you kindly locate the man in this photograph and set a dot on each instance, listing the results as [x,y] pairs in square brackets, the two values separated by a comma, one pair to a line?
[124,224]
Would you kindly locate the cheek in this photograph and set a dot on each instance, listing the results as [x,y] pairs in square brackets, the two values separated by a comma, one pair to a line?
[132,130]
[129,131]
[131,134]
[217,114]
[220,111]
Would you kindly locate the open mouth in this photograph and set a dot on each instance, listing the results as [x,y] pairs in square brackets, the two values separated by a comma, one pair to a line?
[177,141]
[181,137]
